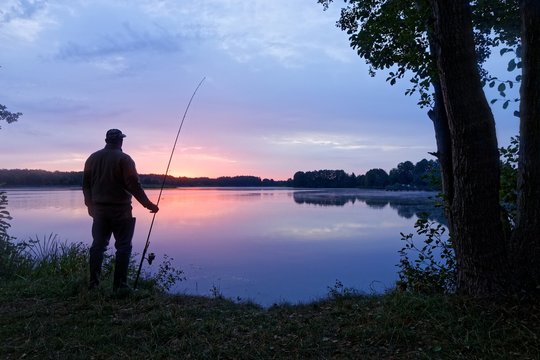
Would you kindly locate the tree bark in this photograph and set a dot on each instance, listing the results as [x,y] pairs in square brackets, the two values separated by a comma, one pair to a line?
[526,254]
[474,211]
[440,124]
[444,151]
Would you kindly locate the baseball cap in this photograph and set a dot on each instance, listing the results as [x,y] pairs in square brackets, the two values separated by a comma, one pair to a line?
[114,134]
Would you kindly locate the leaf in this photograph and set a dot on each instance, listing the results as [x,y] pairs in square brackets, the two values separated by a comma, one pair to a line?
[511,65]
[516,114]
[505,105]
[501,87]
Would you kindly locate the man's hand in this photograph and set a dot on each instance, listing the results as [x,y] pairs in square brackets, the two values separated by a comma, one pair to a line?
[153,208]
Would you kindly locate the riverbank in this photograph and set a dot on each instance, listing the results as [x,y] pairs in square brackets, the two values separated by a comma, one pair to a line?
[40,319]
[46,312]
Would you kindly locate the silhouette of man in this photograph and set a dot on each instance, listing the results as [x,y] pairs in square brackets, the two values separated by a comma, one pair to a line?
[110,180]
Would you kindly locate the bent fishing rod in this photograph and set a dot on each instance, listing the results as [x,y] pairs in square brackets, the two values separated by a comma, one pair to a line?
[151,258]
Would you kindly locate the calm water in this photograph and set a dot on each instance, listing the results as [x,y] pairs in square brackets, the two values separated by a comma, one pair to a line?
[267,245]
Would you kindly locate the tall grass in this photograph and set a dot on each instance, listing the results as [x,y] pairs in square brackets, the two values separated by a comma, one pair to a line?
[64,265]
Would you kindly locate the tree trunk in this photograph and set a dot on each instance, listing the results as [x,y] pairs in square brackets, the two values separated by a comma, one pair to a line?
[440,125]
[474,211]
[444,151]
[526,236]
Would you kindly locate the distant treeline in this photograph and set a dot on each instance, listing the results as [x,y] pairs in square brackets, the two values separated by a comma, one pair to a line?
[155,180]
[424,175]
[25,177]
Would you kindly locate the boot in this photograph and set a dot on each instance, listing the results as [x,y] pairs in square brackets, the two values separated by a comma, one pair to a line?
[120,272]
[95,263]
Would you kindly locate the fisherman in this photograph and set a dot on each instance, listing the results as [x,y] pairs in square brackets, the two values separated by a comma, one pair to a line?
[110,179]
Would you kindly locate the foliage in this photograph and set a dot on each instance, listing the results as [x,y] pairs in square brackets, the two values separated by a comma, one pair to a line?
[393,35]
[26,177]
[340,291]
[50,256]
[406,176]
[509,173]
[416,178]
[167,275]
[323,179]
[503,86]
[412,37]
[376,178]
[4,216]
[403,174]
[30,177]
[8,116]
[430,267]
[66,264]
[11,254]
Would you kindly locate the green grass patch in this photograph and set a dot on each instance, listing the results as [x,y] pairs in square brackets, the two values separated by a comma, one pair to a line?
[36,322]
[46,312]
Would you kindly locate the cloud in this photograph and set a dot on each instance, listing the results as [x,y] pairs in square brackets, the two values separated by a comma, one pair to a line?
[339,142]
[65,106]
[128,40]
[13,10]
[247,31]
[251,30]
[24,19]
[213,158]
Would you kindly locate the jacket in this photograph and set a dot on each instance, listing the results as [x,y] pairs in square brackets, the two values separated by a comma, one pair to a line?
[110,178]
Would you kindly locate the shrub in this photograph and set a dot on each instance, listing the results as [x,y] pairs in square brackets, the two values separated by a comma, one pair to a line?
[431,267]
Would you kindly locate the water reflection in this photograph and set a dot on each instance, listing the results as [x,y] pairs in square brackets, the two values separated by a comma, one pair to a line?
[268,245]
[407,204]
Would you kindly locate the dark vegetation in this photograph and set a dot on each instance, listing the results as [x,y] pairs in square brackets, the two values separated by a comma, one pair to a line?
[425,175]
[8,116]
[26,177]
[441,47]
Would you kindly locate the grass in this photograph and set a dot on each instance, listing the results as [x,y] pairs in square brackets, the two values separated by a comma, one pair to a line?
[49,314]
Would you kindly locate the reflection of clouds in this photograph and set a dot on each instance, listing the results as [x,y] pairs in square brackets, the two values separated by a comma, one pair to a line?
[340,230]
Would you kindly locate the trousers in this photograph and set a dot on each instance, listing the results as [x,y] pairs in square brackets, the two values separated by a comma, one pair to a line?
[110,221]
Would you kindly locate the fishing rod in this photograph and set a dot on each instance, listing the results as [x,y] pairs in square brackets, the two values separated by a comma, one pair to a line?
[151,258]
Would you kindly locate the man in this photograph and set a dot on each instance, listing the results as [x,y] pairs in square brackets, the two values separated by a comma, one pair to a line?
[109,181]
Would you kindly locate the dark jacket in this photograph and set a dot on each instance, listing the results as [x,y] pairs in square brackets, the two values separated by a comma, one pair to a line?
[110,178]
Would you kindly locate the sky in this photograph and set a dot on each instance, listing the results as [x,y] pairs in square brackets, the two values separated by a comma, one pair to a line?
[283,90]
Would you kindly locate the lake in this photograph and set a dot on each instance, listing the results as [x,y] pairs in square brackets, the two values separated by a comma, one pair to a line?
[268,245]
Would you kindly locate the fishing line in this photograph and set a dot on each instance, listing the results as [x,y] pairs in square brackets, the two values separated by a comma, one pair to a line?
[163,185]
